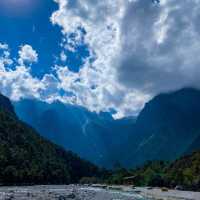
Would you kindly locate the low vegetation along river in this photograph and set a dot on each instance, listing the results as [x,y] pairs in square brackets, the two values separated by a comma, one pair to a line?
[92,193]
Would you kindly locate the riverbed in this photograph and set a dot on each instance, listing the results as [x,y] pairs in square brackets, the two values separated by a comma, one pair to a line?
[80,192]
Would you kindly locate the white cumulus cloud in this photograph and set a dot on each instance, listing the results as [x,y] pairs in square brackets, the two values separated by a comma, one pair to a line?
[96,85]
[27,55]
[17,82]
[139,49]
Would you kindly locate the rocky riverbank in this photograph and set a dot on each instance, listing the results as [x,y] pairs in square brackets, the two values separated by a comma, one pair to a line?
[64,193]
[164,194]
[95,192]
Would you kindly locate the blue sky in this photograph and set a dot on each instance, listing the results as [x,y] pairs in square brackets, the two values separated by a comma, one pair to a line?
[103,55]
[34,28]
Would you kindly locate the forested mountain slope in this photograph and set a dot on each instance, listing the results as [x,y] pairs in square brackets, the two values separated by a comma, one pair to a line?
[26,157]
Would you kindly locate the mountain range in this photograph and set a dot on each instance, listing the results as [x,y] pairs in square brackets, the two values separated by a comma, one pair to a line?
[95,137]
[167,127]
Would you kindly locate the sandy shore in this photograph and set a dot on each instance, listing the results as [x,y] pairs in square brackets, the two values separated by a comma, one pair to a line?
[80,192]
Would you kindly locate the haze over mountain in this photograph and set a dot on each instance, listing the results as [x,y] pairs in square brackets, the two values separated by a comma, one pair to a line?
[164,130]
[93,136]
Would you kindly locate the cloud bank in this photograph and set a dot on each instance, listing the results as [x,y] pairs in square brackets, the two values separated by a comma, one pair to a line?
[137,49]
[161,44]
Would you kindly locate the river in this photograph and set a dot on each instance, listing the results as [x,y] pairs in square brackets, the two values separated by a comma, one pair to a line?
[94,192]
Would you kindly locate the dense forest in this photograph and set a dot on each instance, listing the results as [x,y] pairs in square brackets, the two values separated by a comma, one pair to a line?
[28,158]
[183,173]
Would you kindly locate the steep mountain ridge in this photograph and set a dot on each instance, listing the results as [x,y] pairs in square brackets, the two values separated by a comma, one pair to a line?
[166,127]
[28,158]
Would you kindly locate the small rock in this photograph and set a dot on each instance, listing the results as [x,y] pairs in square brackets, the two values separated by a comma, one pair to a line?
[61,198]
[9,198]
[71,196]
[179,187]
[164,189]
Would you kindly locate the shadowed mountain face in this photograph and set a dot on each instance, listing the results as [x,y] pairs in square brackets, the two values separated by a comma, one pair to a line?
[28,158]
[165,129]
[96,137]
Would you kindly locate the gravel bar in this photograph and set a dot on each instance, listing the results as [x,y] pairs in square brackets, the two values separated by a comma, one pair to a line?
[94,192]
